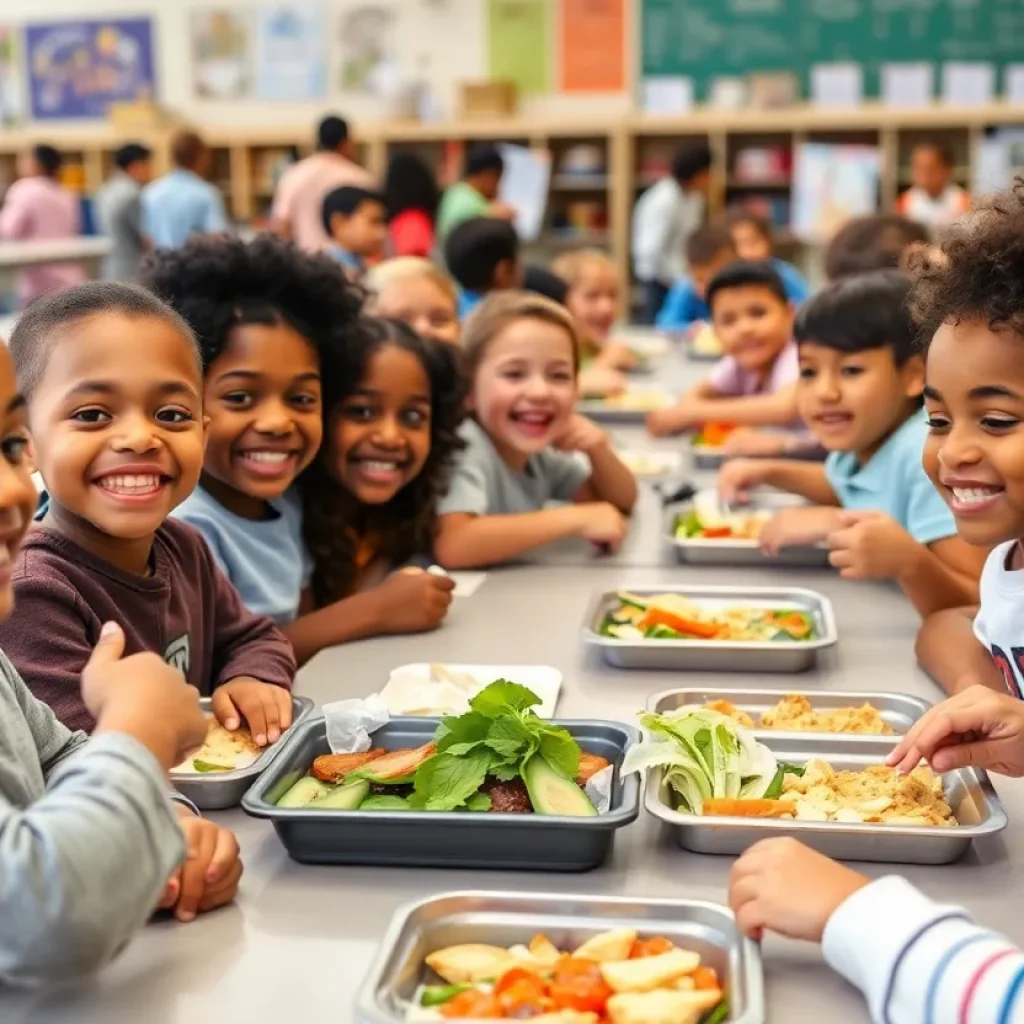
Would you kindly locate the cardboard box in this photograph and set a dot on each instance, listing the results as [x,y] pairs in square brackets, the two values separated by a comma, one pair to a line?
[488,99]
[140,115]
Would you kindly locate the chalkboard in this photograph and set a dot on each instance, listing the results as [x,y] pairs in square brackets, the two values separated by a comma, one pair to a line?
[705,39]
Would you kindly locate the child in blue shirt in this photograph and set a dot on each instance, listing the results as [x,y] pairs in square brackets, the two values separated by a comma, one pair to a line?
[860,386]
[356,221]
[752,235]
[482,254]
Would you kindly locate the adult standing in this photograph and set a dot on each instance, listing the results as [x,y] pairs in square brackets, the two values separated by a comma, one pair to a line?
[183,202]
[119,211]
[411,196]
[476,194]
[298,201]
[36,208]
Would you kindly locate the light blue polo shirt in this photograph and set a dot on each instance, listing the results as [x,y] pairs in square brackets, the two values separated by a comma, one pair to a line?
[178,205]
[265,559]
[893,481]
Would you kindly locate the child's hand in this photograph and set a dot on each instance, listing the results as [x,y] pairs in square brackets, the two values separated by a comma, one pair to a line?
[978,727]
[737,477]
[749,441]
[266,708]
[413,601]
[870,546]
[665,422]
[782,886]
[143,697]
[603,524]
[792,527]
[580,435]
[209,877]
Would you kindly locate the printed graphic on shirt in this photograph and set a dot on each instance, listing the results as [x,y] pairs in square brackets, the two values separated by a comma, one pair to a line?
[179,654]
[1011,669]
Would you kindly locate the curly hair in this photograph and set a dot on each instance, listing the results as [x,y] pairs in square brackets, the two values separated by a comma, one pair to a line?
[978,274]
[216,283]
[407,523]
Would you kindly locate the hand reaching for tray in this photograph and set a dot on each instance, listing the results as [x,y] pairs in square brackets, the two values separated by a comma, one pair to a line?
[978,727]
[793,527]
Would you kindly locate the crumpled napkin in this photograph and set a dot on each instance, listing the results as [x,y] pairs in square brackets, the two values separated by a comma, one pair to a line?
[599,789]
[351,723]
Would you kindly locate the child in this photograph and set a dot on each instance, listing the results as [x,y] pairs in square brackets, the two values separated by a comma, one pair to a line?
[521,355]
[118,440]
[118,207]
[356,221]
[411,197]
[483,256]
[755,383]
[418,293]
[915,960]
[708,250]
[664,218]
[476,194]
[880,241]
[860,393]
[971,304]
[392,405]
[933,199]
[753,238]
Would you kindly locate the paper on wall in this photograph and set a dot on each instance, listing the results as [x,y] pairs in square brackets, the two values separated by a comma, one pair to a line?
[968,83]
[667,94]
[524,185]
[839,86]
[908,85]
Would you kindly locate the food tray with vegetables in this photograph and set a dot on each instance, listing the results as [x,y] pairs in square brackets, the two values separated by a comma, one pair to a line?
[721,789]
[704,532]
[629,407]
[707,628]
[841,714]
[632,961]
[707,445]
[702,344]
[216,776]
[494,788]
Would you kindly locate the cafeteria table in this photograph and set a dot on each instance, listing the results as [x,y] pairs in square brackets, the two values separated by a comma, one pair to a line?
[297,943]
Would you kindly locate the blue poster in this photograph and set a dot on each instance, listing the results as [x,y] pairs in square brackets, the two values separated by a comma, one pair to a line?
[78,68]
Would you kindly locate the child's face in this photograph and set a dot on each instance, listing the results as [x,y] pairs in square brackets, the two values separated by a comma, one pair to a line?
[363,232]
[117,424]
[927,170]
[753,325]
[750,243]
[594,300]
[854,400]
[701,273]
[422,304]
[974,453]
[262,398]
[17,493]
[380,434]
[525,386]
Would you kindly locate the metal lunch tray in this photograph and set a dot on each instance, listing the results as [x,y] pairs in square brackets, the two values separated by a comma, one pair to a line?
[507,918]
[707,457]
[898,710]
[969,791]
[216,791]
[716,655]
[532,842]
[600,412]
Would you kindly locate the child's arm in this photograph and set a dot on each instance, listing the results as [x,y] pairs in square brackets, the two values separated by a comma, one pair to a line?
[807,479]
[774,410]
[610,480]
[949,650]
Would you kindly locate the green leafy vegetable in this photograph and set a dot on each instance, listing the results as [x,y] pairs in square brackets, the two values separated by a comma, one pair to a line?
[660,632]
[210,766]
[385,802]
[446,782]
[438,995]
[478,803]
[717,1014]
[688,525]
[502,697]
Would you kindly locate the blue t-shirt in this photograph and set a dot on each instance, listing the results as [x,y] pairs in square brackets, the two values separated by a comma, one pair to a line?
[894,481]
[265,559]
[349,260]
[468,301]
[178,205]
[683,306]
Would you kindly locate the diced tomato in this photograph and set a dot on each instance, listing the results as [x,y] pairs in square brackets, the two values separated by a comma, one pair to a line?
[705,977]
[655,616]
[717,531]
[714,434]
[522,993]
[578,985]
[651,947]
[514,977]
[473,1005]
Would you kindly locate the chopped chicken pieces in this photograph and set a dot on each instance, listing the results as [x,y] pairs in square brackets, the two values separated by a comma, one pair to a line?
[794,713]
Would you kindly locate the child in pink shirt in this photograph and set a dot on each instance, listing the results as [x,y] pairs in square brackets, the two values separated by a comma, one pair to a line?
[36,207]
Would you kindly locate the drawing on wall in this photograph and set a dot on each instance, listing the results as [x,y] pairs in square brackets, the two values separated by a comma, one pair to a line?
[832,184]
[291,52]
[221,54]
[366,45]
[78,68]
[12,100]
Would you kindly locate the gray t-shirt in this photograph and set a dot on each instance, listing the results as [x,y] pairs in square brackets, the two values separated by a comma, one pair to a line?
[484,484]
[119,216]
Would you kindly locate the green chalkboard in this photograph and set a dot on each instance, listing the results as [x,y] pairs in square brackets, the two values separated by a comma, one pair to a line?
[706,39]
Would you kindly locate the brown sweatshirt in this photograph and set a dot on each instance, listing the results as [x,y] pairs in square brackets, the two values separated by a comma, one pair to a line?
[187,611]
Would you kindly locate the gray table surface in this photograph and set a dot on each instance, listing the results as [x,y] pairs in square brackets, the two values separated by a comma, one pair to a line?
[298,941]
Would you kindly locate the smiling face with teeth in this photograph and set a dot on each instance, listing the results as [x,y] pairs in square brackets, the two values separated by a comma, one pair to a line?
[974,453]
[262,397]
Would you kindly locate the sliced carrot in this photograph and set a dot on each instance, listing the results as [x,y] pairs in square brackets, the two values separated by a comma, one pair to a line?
[475,1005]
[748,808]
[654,946]
[717,531]
[705,978]
[655,616]
[714,434]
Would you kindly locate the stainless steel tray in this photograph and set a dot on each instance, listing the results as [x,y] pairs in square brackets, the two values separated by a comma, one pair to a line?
[898,710]
[969,791]
[216,791]
[706,457]
[506,918]
[438,839]
[716,655]
[598,411]
[735,551]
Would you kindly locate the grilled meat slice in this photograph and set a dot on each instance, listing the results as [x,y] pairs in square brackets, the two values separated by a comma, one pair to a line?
[508,797]
[334,767]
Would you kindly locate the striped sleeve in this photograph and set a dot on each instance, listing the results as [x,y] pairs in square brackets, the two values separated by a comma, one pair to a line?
[920,962]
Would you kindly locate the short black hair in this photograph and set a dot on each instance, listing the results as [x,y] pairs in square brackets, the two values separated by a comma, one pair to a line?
[940,149]
[410,184]
[131,153]
[874,242]
[746,274]
[691,160]
[346,200]
[483,157]
[48,158]
[331,132]
[980,272]
[217,282]
[545,282]
[708,242]
[474,248]
[44,320]
[867,311]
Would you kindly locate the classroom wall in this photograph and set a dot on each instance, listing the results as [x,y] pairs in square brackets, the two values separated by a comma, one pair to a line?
[443,39]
